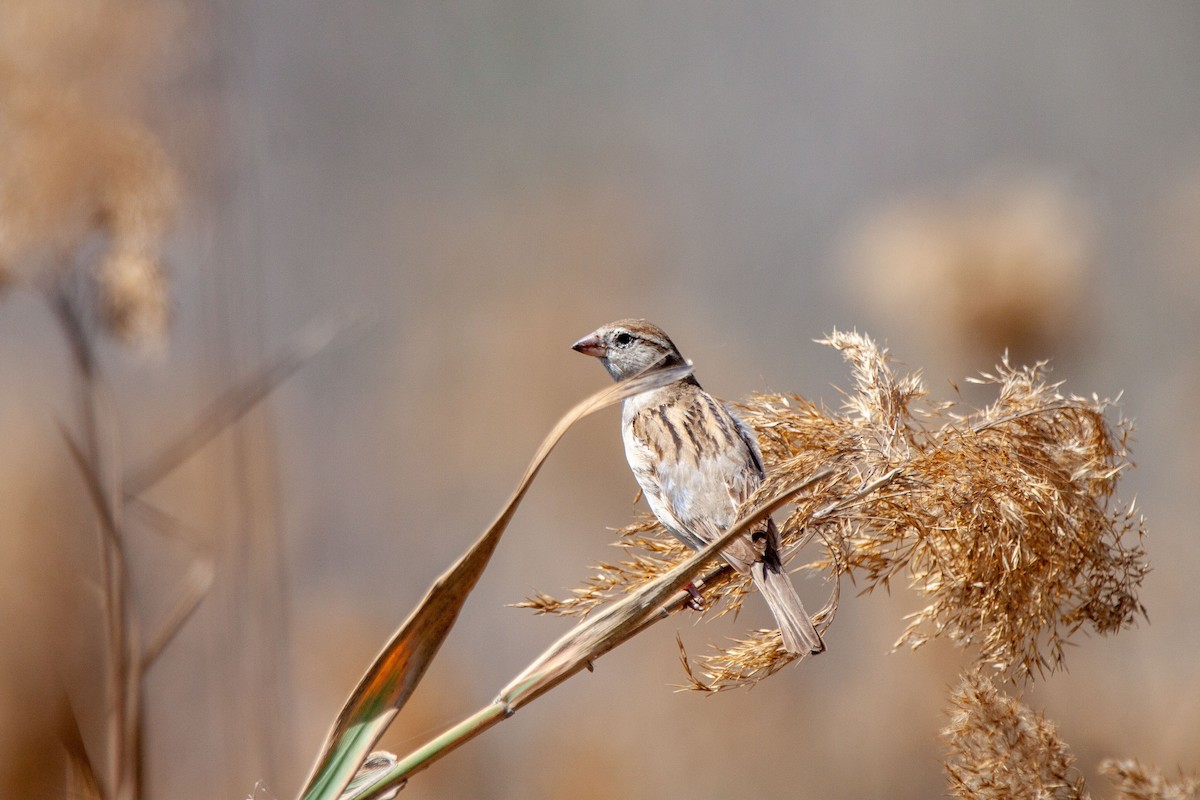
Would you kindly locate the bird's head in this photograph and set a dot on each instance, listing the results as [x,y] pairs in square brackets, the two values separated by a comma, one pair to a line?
[630,347]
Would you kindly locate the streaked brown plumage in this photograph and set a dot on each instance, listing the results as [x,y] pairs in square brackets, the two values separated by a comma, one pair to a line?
[697,463]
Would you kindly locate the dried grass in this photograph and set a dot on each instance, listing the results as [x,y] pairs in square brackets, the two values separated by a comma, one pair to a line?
[86,190]
[1000,749]
[1001,263]
[1004,519]
[1137,782]
[87,195]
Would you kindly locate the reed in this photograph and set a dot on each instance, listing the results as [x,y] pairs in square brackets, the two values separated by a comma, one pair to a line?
[1003,519]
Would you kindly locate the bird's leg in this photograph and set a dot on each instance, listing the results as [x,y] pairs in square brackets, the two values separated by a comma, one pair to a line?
[768,540]
[695,600]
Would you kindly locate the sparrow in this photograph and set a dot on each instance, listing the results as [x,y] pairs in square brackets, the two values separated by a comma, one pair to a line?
[697,462]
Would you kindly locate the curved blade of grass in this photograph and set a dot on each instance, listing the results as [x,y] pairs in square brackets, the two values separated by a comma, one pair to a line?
[396,671]
[579,647]
[237,402]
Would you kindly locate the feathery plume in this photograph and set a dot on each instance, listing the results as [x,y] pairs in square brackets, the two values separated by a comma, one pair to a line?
[1135,781]
[999,748]
[1004,519]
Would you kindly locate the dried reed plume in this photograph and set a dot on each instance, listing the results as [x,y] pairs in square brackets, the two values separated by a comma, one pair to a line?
[1003,264]
[1004,519]
[1136,782]
[86,197]
[998,748]
[86,191]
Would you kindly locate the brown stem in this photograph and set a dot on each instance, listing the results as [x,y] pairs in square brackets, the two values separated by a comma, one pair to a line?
[123,690]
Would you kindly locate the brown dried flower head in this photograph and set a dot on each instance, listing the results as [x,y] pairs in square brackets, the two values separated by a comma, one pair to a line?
[1002,264]
[1004,519]
[1000,749]
[84,185]
[1137,782]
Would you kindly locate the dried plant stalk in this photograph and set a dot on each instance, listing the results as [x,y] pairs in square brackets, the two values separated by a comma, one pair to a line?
[580,647]
[1003,518]
[999,748]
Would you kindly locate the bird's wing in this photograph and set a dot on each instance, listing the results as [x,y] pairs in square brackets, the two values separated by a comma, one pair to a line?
[749,439]
[694,466]
[773,543]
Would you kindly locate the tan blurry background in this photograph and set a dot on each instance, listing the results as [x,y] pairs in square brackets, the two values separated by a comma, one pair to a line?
[486,182]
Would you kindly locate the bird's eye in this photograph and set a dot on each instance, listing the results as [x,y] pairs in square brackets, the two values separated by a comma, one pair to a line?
[623,339]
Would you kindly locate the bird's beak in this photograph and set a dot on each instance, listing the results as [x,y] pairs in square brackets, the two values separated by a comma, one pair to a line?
[591,345]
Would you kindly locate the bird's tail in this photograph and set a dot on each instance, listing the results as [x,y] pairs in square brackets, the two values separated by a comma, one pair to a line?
[799,635]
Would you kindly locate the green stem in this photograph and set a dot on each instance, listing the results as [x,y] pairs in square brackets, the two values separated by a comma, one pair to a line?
[419,759]
[485,718]
[620,622]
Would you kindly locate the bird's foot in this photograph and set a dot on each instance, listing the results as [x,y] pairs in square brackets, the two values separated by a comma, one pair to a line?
[695,600]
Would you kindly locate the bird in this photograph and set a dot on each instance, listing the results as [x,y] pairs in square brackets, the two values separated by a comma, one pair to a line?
[697,462]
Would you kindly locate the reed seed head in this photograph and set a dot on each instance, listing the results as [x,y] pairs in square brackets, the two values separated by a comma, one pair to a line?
[1000,749]
[1003,519]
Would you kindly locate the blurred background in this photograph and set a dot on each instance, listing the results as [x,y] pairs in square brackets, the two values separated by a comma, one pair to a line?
[484,183]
